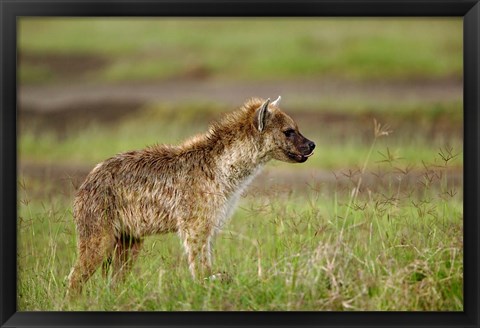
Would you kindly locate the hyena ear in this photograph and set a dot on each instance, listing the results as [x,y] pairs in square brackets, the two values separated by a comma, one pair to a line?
[261,115]
[276,102]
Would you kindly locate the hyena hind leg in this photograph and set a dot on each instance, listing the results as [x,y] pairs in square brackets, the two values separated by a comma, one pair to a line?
[125,253]
[91,253]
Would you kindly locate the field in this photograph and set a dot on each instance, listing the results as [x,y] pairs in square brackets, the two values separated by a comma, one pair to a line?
[373,221]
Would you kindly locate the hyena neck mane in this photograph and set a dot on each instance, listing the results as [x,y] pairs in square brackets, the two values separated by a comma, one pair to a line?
[232,146]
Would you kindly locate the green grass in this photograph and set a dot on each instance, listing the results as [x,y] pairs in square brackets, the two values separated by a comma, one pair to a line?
[390,249]
[396,246]
[235,48]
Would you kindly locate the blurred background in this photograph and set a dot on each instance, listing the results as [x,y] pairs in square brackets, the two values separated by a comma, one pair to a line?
[89,88]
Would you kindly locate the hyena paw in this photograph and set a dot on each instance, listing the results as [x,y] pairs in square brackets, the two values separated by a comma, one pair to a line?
[220,276]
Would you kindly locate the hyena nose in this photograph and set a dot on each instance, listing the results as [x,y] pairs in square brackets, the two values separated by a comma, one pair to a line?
[311,145]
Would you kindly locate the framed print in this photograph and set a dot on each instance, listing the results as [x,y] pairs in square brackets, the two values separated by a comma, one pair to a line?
[238,164]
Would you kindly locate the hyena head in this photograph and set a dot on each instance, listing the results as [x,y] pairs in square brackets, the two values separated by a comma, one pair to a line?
[279,136]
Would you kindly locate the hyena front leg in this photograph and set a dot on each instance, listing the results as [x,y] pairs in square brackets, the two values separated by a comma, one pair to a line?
[195,241]
[206,260]
[206,256]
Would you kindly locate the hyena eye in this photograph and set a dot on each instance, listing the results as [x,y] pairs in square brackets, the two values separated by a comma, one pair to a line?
[289,133]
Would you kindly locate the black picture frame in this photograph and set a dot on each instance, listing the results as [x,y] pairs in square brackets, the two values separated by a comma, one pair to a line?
[11,10]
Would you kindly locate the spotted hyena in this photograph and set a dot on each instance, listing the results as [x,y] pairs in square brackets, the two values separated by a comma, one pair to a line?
[190,189]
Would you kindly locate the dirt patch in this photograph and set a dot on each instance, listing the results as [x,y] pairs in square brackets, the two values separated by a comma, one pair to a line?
[234,93]
[76,116]
[345,125]
[196,72]
[42,181]
[272,182]
[63,65]
[85,102]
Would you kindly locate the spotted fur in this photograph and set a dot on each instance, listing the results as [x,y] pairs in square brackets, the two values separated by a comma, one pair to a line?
[190,189]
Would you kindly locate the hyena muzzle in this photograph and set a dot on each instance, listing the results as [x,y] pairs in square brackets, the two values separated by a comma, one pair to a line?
[190,189]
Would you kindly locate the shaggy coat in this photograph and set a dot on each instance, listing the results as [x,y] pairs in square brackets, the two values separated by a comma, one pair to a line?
[190,189]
